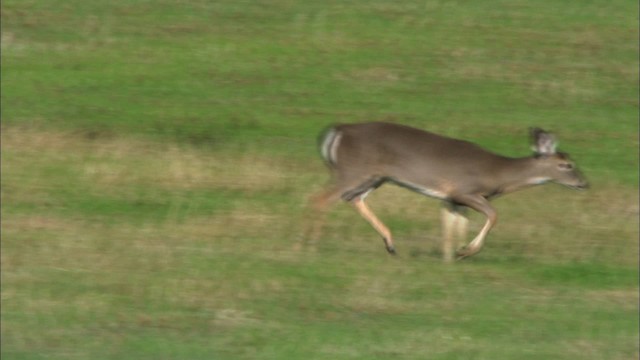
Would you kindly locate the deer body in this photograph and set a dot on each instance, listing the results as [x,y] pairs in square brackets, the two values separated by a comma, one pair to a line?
[362,157]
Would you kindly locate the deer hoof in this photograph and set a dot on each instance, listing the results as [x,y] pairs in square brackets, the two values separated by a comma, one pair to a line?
[465,253]
[391,250]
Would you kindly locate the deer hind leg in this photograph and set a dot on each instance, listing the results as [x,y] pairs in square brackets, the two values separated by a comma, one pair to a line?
[353,192]
[356,196]
[315,215]
[318,205]
[362,208]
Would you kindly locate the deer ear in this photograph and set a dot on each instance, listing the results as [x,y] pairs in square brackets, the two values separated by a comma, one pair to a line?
[544,143]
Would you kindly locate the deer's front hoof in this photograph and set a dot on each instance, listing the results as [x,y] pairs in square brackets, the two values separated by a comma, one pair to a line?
[466,252]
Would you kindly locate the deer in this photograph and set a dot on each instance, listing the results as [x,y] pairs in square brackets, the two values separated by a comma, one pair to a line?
[362,157]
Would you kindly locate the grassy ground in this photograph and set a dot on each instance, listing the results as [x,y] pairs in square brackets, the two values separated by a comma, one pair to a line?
[156,158]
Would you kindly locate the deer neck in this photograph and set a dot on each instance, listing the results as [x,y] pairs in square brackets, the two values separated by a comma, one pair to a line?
[520,173]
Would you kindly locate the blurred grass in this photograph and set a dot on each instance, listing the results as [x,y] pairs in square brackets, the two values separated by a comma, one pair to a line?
[156,157]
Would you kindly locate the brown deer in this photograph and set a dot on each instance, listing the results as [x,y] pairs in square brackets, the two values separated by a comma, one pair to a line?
[463,175]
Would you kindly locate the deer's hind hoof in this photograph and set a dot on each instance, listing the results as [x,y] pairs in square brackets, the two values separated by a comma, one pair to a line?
[391,250]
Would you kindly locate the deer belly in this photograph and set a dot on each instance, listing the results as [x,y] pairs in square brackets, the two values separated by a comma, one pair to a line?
[430,191]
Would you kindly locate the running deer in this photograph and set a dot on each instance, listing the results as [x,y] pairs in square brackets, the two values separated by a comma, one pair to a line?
[362,157]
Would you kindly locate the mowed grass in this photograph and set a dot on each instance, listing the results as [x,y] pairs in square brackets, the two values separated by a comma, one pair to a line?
[157,157]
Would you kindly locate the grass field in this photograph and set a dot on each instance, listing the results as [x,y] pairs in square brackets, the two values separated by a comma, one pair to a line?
[157,157]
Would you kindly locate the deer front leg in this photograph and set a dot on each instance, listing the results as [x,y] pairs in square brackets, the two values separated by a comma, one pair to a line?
[454,228]
[480,204]
[448,223]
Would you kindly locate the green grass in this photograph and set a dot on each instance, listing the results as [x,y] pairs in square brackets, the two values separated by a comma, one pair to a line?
[156,158]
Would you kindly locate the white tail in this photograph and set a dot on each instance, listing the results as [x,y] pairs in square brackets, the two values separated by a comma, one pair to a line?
[362,157]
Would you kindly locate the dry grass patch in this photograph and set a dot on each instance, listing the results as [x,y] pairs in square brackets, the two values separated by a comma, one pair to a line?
[109,163]
[627,299]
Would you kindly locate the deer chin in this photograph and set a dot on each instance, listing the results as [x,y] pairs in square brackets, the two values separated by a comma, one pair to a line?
[578,187]
[581,187]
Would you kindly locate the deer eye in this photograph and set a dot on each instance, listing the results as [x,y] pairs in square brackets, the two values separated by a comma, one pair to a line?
[565,166]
